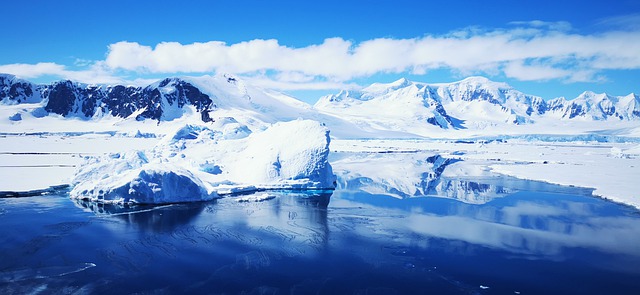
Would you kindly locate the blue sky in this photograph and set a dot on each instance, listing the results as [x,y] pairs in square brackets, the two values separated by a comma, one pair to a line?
[305,48]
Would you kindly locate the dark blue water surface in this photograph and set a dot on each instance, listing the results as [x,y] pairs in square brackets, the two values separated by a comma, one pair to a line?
[342,242]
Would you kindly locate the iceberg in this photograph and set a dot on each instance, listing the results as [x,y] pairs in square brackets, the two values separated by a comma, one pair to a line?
[196,163]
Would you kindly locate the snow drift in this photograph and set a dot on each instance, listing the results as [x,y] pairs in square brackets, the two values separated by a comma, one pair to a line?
[196,163]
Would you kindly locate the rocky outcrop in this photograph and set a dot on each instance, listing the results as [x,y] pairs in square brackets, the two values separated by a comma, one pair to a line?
[160,101]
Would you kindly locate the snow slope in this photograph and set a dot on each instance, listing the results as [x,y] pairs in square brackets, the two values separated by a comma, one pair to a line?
[157,108]
[258,108]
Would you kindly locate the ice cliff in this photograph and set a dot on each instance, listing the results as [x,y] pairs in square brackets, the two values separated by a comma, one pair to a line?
[196,163]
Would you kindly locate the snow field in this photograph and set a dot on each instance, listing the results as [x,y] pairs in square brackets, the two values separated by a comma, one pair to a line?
[612,169]
[41,161]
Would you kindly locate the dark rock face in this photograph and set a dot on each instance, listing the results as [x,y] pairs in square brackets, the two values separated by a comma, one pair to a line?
[122,100]
[537,105]
[439,109]
[555,105]
[15,90]
[480,94]
[62,98]
[187,94]
[71,99]
[430,99]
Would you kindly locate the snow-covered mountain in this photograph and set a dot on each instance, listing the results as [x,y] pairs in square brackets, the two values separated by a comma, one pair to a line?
[475,102]
[399,109]
[14,90]
[593,106]
[223,100]
[387,106]
[163,100]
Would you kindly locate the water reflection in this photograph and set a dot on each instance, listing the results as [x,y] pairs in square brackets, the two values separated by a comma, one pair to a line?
[347,241]
[534,225]
[309,206]
[161,218]
[531,219]
[297,218]
[422,174]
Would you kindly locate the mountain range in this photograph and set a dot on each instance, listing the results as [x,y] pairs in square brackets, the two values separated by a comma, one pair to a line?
[475,99]
[400,107]
[71,99]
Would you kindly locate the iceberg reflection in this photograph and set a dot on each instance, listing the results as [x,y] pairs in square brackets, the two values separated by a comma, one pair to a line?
[160,218]
[309,206]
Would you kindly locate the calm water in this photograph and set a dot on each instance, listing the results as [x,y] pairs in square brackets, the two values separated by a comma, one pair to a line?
[343,242]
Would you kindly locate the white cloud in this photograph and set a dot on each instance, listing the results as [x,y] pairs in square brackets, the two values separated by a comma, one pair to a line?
[295,77]
[531,50]
[32,70]
[518,70]
[555,53]
[626,22]
[95,73]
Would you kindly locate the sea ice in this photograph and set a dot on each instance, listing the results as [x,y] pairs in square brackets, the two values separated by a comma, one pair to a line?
[610,168]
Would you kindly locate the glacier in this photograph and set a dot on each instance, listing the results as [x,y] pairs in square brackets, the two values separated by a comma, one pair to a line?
[196,163]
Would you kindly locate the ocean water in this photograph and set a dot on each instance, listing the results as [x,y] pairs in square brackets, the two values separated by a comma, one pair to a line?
[526,238]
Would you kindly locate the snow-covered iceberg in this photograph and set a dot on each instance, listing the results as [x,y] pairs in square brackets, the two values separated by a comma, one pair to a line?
[196,163]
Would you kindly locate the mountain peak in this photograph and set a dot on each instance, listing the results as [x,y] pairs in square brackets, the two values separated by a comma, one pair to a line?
[7,76]
[588,93]
[380,88]
[476,79]
[594,97]
[483,81]
[10,78]
[400,82]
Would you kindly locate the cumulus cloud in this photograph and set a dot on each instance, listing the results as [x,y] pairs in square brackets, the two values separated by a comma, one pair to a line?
[32,70]
[545,71]
[526,50]
[532,50]
[95,73]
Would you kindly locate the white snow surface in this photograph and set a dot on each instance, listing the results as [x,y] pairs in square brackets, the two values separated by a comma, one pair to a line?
[611,169]
[478,107]
[197,164]
[252,107]
[402,109]
[247,149]
[37,162]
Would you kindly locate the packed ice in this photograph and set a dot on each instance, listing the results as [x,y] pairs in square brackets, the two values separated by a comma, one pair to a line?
[197,163]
